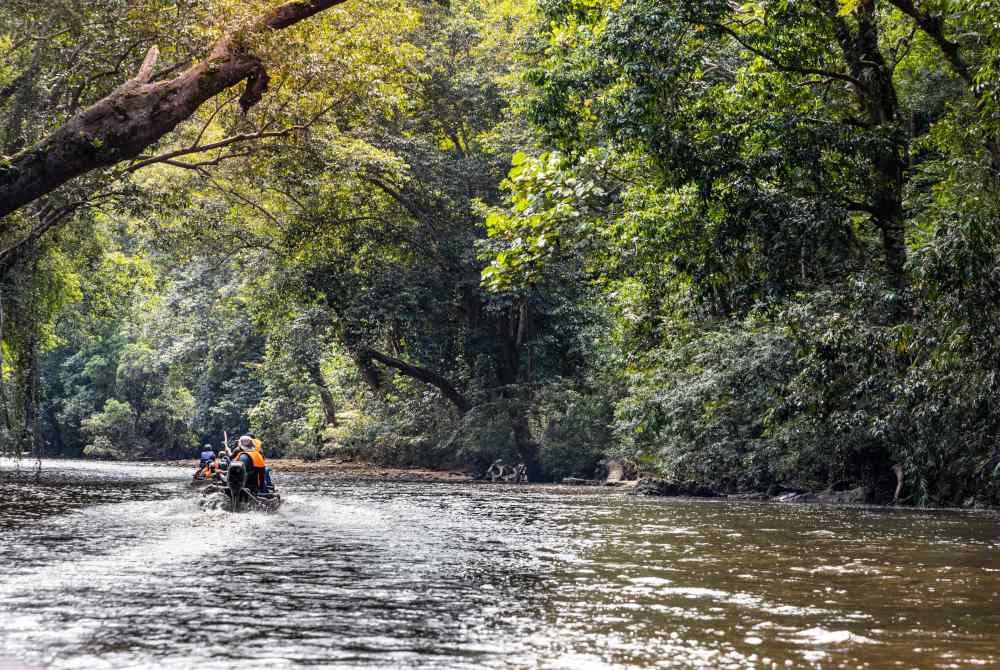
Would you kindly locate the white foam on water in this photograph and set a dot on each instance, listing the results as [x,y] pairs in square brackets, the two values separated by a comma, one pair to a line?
[332,512]
[852,568]
[822,636]
[153,540]
[127,470]
[178,532]
[655,587]
[650,581]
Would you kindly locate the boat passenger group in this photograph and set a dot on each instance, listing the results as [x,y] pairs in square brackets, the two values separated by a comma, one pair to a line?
[249,451]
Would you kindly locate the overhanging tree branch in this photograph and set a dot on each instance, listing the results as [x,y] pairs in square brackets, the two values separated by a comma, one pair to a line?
[140,112]
[933,27]
[187,151]
[792,69]
[195,148]
[49,218]
[366,356]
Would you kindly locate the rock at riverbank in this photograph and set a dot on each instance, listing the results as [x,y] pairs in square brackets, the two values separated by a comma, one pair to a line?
[650,486]
[754,497]
[855,496]
[616,472]
[576,481]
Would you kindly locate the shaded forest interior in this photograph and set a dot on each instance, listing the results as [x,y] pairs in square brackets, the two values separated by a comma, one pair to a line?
[738,245]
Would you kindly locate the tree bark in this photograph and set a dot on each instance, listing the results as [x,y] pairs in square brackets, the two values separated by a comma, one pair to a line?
[366,356]
[898,471]
[329,406]
[933,27]
[876,95]
[528,449]
[140,112]
[5,396]
[511,329]
[27,389]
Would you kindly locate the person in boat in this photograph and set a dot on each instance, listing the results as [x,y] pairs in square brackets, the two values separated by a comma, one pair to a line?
[205,462]
[222,459]
[259,446]
[251,455]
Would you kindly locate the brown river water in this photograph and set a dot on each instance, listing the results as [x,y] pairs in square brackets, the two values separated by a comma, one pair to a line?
[115,566]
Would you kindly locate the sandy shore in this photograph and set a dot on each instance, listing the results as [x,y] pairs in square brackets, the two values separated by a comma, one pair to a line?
[350,470]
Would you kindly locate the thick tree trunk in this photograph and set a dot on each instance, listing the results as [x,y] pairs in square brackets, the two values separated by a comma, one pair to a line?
[888,207]
[27,381]
[876,95]
[326,398]
[138,113]
[448,390]
[528,450]
[5,421]
[898,471]
[511,332]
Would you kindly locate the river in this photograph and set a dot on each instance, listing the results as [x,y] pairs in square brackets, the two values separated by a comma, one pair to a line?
[115,566]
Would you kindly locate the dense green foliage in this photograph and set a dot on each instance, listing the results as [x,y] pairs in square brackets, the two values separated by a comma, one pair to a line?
[746,245]
[794,207]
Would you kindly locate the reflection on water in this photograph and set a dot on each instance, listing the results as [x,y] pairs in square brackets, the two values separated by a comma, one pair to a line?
[110,566]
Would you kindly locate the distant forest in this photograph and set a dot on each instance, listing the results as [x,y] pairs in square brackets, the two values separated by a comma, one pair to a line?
[742,245]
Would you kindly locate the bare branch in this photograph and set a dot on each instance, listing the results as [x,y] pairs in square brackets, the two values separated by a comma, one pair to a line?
[148,63]
[243,137]
[933,27]
[211,117]
[794,69]
[50,216]
[232,193]
[448,390]
[208,163]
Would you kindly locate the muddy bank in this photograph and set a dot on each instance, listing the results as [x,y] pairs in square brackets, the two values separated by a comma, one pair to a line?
[338,469]
[353,470]
[347,471]
[652,487]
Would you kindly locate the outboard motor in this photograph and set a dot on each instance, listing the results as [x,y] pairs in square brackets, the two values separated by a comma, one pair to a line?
[236,480]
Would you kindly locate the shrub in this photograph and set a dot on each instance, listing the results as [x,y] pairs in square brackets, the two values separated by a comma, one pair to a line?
[102,448]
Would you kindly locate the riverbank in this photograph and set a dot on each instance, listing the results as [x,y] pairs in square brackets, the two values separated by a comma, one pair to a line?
[350,470]
[650,487]
[339,469]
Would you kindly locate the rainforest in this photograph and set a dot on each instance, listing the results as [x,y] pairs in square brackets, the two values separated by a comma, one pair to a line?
[751,247]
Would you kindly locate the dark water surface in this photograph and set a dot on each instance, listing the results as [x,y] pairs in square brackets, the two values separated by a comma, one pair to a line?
[116,567]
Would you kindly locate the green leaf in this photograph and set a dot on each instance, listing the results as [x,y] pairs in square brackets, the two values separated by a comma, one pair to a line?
[848,6]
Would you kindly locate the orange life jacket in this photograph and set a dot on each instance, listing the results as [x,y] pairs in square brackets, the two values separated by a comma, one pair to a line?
[257,459]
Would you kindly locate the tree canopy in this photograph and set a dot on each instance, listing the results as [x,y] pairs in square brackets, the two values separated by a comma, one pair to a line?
[745,245]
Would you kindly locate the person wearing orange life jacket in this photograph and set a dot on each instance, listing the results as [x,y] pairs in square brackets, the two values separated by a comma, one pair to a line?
[259,446]
[246,452]
[214,469]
